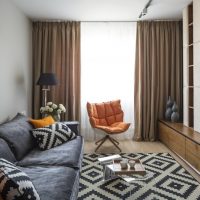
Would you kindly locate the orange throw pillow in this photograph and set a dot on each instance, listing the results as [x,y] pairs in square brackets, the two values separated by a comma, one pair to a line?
[39,123]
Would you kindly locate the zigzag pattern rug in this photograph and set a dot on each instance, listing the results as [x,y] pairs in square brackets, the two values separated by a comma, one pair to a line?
[168,180]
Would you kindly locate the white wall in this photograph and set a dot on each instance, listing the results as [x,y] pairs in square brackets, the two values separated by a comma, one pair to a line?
[15,61]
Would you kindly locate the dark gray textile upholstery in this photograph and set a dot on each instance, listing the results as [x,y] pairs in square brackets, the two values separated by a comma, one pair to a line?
[5,151]
[54,183]
[54,172]
[17,134]
[68,154]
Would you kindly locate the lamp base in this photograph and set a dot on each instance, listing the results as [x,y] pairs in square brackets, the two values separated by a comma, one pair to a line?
[45,90]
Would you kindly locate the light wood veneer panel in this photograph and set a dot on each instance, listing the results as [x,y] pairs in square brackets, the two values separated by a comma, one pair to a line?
[193,153]
[184,130]
[177,142]
[163,134]
[185,27]
[196,17]
[193,148]
[181,140]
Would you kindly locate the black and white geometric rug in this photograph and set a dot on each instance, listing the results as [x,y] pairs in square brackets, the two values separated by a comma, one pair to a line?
[169,180]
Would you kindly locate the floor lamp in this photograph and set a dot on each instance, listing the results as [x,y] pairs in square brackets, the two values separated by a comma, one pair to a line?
[46,80]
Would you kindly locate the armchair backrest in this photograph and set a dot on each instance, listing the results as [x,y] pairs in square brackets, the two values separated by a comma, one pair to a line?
[105,114]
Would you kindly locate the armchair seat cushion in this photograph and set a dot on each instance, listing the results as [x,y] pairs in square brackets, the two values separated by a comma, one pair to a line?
[118,127]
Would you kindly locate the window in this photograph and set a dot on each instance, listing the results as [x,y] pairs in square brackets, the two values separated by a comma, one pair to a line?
[107,68]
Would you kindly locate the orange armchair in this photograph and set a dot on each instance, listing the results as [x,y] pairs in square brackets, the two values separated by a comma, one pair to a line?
[108,117]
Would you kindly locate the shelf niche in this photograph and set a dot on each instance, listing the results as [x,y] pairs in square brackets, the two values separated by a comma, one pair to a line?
[190,68]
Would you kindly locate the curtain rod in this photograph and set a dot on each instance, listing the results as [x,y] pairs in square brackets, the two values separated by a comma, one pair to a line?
[156,20]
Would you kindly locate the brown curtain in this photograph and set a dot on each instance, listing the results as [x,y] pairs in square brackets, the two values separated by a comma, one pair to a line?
[158,74]
[56,48]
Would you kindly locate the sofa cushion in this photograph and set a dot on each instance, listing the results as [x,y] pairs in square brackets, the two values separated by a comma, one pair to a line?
[68,154]
[15,184]
[54,182]
[5,151]
[17,134]
[53,135]
[39,123]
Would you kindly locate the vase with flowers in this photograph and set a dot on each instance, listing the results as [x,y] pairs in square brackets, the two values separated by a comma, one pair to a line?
[53,109]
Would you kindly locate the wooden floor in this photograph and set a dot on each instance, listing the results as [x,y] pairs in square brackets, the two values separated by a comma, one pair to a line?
[129,146]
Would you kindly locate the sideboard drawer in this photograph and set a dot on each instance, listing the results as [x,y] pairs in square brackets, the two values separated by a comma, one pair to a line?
[193,153]
[193,148]
[163,133]
[177,143]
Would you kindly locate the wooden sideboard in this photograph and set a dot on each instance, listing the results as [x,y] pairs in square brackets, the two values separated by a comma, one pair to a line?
[184,141]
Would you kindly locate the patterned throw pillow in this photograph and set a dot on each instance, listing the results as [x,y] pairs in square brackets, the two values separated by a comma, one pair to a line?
[53,135]
[15,184]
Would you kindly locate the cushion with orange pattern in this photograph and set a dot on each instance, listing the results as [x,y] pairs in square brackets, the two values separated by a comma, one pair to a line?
[115,128]
[39,123]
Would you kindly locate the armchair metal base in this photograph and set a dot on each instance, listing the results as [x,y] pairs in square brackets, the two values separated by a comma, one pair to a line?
[107,137]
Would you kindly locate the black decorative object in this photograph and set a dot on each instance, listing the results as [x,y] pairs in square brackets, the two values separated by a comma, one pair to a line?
[175,114]
[168,112]
[47,79]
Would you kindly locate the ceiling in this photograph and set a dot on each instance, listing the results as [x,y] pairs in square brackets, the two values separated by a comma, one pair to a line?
[101,10]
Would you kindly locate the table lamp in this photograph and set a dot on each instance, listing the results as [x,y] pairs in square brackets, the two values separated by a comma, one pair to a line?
[46,80]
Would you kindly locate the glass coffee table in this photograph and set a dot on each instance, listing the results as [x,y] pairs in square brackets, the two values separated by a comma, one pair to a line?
[111,169]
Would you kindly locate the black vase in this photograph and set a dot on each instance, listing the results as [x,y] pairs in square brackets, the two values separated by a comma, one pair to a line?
[168,111]
[168,114]
[175,114]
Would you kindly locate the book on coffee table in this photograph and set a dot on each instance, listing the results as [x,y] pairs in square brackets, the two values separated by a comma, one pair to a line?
[108,159]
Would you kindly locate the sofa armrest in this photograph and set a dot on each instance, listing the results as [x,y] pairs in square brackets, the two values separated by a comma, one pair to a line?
[73,125]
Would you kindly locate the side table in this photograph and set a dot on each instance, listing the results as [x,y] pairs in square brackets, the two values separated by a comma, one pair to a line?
[73,125]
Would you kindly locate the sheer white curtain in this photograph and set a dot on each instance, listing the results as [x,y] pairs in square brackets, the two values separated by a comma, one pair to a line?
[107,69]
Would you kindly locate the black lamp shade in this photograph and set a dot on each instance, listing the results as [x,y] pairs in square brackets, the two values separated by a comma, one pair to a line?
[47,79]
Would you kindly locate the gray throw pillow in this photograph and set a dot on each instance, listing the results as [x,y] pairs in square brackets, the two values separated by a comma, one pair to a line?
[18,136]
[53,135]
[5,151]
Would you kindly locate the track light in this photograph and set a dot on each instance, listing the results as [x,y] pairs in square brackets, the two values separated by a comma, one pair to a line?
[145,9]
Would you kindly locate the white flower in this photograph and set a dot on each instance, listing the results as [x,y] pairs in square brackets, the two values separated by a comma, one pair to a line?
[49,103]
[50,110]
[42,109]
[60,105]
[54,106]
[59,111]
[62,108]
[46,108]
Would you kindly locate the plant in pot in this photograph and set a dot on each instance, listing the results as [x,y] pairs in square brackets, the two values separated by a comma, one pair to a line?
[53,109]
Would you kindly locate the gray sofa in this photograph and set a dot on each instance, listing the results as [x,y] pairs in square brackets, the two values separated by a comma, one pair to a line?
[55,172]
